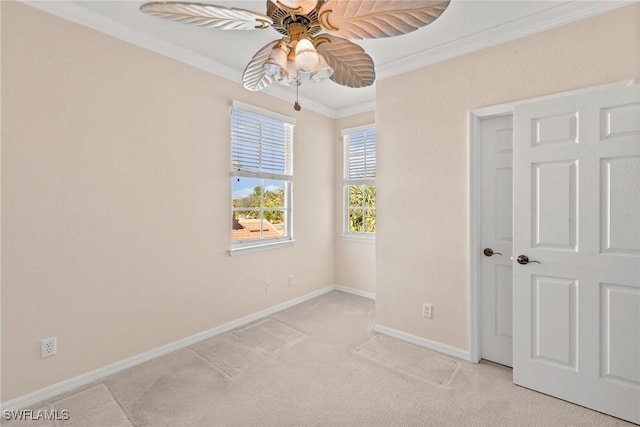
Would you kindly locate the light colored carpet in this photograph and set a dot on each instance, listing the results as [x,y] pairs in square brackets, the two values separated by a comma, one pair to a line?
[410,360]
[316,364]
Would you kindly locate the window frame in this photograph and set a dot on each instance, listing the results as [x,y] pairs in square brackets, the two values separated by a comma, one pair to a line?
[346,183]
[261,244]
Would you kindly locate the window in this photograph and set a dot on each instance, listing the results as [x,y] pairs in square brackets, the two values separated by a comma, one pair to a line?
[359,181]
[262,178]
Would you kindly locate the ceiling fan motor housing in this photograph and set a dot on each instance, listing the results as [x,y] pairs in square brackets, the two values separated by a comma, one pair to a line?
[284,18]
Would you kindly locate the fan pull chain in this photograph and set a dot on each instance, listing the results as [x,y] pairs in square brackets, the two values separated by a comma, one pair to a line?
[296,106]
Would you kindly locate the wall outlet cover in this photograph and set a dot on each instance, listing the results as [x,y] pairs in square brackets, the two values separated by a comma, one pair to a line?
[48,347]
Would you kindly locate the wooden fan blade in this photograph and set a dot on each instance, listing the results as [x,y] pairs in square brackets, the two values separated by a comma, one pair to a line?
[378,18]
[352,67]
[208,15]
[254,77]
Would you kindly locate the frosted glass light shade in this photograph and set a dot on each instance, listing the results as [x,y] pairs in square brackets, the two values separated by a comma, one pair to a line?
[291,79]
[306,56]
[305,6]
[276,65]
[322,72]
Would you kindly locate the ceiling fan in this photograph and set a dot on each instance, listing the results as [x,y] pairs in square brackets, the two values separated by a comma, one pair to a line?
[305,49]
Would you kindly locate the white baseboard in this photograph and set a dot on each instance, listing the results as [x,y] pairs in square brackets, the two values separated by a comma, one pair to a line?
[423,342]
[89,377]
[353,291]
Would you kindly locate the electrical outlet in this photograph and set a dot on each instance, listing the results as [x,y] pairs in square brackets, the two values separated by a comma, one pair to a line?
[48,347]
[427,310]
[267,286]
[290,282]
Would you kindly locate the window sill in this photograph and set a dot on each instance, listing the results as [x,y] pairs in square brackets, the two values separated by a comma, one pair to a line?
[251,248]
[357,238]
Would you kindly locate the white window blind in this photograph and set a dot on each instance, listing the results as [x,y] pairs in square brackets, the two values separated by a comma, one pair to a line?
[260,145]
[360,155]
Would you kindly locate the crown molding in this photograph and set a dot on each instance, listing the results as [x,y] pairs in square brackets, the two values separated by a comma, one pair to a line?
[562,14]
[73,12]
[355,109]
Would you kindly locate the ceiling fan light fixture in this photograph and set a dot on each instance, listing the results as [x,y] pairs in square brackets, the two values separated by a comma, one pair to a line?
[291,78]
[322,72]
[327,24]
[307,57]
[276,65]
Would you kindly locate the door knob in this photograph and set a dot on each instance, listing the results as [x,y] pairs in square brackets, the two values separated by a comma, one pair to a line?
[489,252]
[524,260]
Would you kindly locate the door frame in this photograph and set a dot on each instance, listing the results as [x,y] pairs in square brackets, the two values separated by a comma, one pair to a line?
[474,168]
[474,239]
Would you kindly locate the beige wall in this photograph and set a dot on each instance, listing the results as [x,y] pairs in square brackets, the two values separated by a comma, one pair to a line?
[116,202]
[421,119]
[354,260]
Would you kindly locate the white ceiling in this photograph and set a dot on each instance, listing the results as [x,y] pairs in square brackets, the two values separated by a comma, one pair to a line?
[465,26]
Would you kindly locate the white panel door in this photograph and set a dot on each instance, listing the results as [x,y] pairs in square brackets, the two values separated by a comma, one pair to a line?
[577,213]
[496,211]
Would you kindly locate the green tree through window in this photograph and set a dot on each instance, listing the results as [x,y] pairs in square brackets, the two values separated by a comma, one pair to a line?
[272,199]
[362,214]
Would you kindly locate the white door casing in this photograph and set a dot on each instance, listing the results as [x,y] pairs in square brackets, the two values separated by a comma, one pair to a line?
[496,209]
[577,212]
